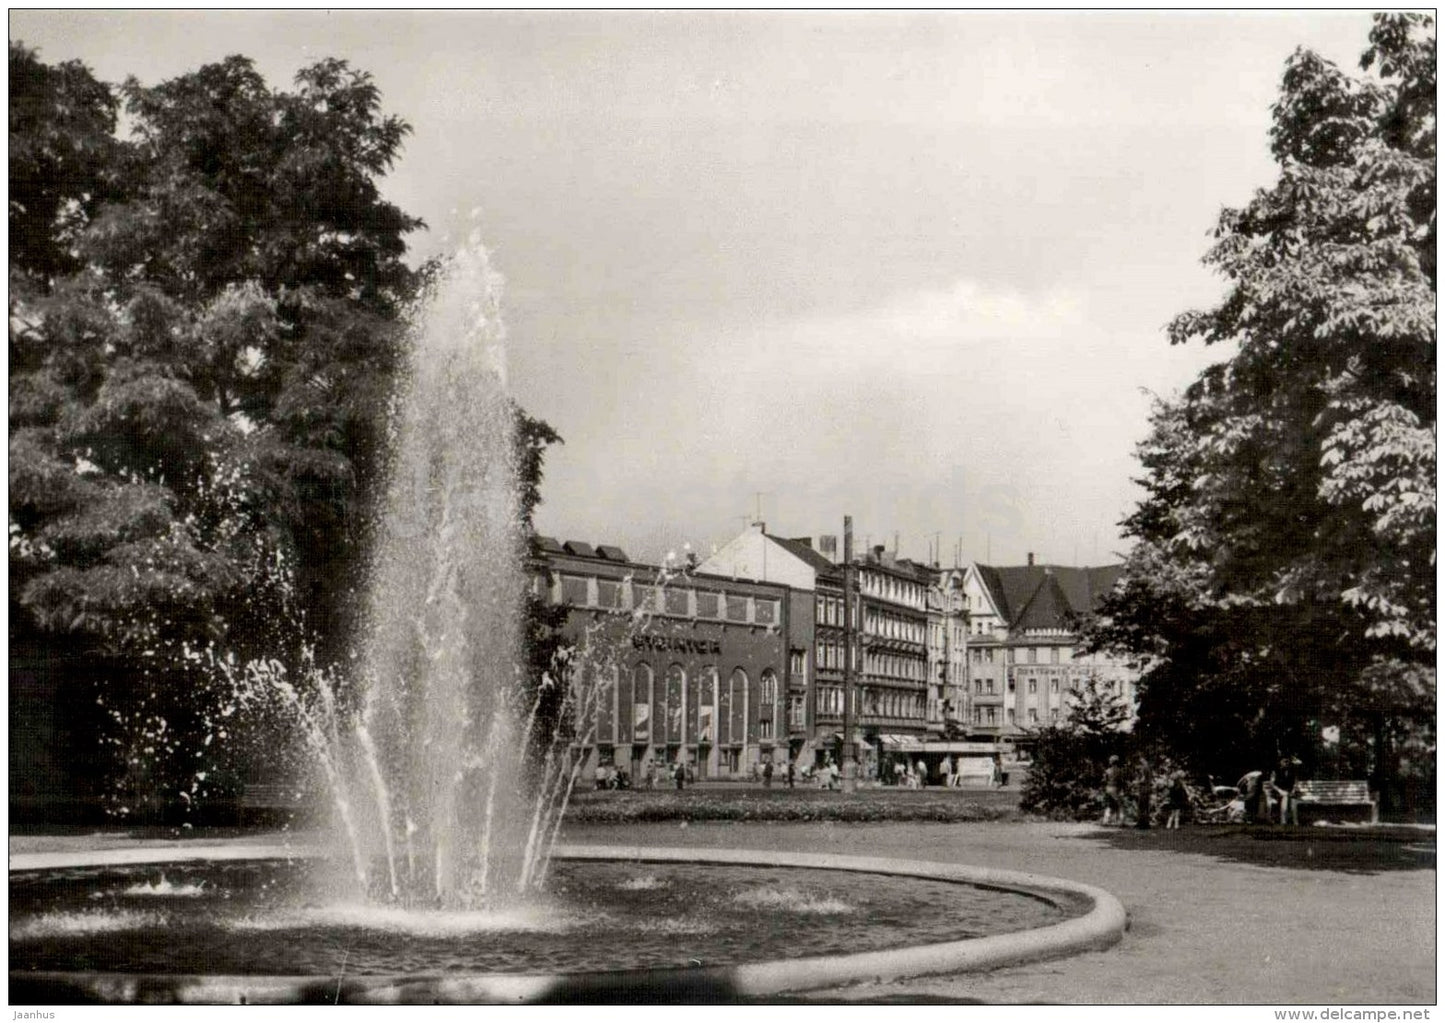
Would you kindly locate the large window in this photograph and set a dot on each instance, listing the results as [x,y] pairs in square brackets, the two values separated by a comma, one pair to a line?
[574,590]
[706,727]
[707,604]
[768,684]
[642,678]
[644,596]
[676,686]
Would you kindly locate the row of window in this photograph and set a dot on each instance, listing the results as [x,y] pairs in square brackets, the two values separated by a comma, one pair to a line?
[989,716]
[631,706]
[625,595]
[883,703]
[828,610]
[891,626]
[891,588]
[894,666]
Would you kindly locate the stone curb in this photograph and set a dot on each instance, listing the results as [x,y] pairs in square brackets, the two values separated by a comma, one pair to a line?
[1101,927]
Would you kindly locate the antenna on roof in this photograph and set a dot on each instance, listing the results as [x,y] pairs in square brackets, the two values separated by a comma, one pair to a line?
[758,496]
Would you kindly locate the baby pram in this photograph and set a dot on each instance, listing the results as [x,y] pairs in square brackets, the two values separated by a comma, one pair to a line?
[1229,804]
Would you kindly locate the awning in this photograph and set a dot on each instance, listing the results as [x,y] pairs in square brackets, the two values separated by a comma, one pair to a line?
[981,748]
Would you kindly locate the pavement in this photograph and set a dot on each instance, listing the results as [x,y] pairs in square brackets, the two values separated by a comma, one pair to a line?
[1218,915]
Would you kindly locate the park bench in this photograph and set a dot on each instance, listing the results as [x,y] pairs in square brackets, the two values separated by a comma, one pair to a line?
[1327,800]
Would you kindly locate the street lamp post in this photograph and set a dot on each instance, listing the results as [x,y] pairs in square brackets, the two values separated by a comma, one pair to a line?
[847,752]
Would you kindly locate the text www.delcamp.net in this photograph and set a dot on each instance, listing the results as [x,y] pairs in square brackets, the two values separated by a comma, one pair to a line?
[1369,1014]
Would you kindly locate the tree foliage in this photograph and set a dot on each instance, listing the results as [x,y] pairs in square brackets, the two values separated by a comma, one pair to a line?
[203,337]
[1283,573]
[205,326]
[1066,776]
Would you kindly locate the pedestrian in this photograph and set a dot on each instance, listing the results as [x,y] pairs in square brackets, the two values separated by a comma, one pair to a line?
[1283,783]
[1113,779]
[957,773]
[679,775]
[946,768]
[922,772]
[792,771]
[600,777]
[1144,791]
[767,774]
[1178,800]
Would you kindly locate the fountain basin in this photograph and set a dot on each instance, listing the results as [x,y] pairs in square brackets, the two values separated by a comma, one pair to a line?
[1097,921]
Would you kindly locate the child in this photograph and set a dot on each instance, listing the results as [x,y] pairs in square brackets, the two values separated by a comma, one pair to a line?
[1178,800]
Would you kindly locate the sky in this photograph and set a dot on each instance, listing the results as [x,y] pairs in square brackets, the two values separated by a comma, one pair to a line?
[908,267]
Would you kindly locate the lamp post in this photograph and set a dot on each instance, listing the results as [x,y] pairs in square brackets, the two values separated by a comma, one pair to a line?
[846,752]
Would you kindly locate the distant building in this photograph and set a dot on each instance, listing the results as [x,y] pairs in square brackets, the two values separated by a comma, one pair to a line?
[899,696]
[685,667]
[1024,656]
[815,637]
[947,652]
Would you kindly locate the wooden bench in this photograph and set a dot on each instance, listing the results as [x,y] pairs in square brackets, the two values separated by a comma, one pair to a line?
[1323,799]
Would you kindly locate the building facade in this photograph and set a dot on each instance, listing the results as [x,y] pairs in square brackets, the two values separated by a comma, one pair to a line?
[673,665]
[1024,657]
[947,652]
[893,679]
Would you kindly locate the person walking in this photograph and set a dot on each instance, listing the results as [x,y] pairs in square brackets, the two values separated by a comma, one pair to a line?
[792,772]
[1144,791]
[1113,784]
[679,775]
[946,769]
[767,774]
[1178,800]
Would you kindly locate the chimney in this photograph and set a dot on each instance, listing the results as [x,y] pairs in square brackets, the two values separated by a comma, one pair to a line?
[1031,557]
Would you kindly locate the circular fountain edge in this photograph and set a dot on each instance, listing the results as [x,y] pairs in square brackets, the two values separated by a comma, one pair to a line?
[1099,928]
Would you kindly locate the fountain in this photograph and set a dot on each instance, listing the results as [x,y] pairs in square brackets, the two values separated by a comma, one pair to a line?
[447,793]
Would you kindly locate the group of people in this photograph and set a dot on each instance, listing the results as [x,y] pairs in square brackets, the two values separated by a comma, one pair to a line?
[950,773]
[1117,782]
[1261,794]
[1258,791]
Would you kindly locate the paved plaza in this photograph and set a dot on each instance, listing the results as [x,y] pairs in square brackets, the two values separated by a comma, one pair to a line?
[1217,915]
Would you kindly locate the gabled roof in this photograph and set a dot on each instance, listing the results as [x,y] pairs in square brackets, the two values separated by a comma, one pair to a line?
[803,552]
[1046,596]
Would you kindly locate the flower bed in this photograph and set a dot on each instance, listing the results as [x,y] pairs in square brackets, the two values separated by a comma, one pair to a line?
[782,805]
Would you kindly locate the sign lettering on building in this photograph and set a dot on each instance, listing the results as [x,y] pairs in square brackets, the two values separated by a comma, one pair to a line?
[677,644]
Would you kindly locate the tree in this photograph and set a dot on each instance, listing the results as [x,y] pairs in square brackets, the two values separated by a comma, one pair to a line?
[1066,776]
[1283,573]
[205,326]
